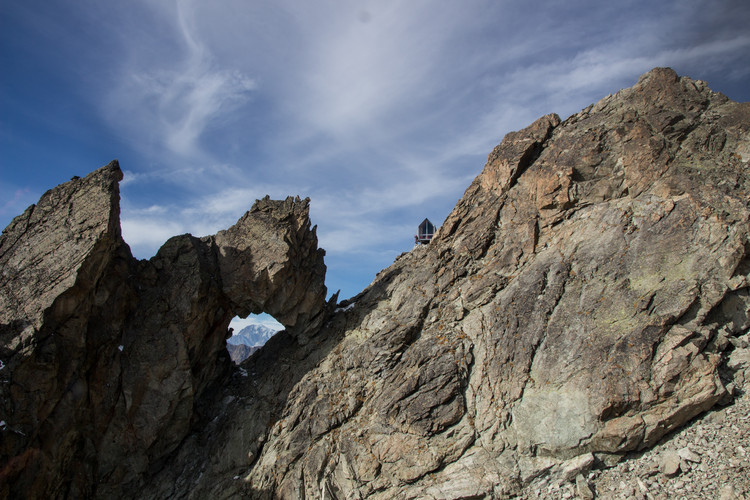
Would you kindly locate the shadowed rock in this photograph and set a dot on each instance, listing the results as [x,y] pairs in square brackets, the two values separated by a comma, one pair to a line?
[105,357]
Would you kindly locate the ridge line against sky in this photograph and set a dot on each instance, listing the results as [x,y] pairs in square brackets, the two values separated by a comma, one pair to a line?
[381,112]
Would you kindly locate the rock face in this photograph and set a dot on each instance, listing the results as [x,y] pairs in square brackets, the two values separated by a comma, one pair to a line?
[577,304]
[577,301]
[104,357]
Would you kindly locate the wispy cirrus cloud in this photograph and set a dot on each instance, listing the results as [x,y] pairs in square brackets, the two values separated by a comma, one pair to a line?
[379,111]
[167,99]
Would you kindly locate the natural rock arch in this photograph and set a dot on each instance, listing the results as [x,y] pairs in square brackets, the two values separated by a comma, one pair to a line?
[109,355]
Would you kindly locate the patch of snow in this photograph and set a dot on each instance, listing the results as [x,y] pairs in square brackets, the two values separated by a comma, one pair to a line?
[2,365]
[120,348]
[347,308]
[243,372]
[3,425]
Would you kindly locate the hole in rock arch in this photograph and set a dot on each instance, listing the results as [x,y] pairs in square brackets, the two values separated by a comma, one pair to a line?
[249,334]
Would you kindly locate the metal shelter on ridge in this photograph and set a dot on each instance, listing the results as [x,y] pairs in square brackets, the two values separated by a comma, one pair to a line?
[425,232]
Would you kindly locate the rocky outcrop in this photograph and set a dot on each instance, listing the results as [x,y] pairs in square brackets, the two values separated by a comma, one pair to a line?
[106,358]
[707,459]
[584,298]
[240,352]
[575,306]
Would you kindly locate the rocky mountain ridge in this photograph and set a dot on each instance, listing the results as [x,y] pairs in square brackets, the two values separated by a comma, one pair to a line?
[240,352]
[248,340]
[252,335]
[578,305]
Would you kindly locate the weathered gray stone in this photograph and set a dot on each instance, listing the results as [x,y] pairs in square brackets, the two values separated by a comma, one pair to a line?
[727,493]
[578,465]
[689,455]
[669,463]
[583,490]
[564,307]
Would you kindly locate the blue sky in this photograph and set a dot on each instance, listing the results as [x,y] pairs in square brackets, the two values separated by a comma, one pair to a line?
[382,112]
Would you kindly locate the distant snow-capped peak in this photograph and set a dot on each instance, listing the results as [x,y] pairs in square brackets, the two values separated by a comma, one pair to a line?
[252,335]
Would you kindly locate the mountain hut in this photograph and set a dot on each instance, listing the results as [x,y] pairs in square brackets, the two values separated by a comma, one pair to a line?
[425,232]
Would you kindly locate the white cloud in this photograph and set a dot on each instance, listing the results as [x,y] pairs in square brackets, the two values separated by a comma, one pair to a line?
[358,73]
[381,112]
[130,177]
[146,235]
[596,69]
